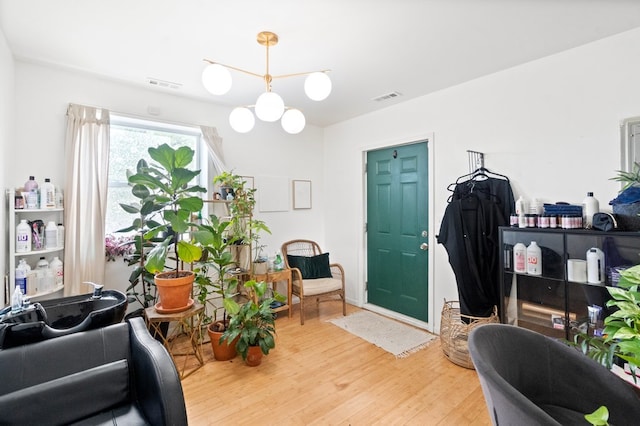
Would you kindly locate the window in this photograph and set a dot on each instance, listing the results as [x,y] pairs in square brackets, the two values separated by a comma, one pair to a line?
[130,139]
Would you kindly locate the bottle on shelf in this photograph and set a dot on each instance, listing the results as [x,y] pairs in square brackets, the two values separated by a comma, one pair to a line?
[48,195]
[22,271]
[31,190]
[60,235]
[51,235]
[42,263]
[590,206]
[595,266]
[23,237]
[520,258]
[16,300]
[534,259]
[58,271]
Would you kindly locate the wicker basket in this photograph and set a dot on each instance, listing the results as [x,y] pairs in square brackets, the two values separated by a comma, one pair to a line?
[454,332]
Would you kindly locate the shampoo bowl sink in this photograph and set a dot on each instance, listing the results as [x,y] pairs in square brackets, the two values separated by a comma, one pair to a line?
[58,317]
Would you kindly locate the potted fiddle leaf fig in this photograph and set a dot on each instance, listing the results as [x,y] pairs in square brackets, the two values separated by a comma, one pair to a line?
[254,324]
[168,198]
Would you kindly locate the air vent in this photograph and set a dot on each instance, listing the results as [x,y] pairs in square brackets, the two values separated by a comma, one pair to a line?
[387,96]
[163,83]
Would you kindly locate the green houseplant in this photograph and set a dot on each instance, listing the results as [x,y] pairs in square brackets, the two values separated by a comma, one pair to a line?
[621,336]
[242,224]
[254,324]
[213,279]
[167,198]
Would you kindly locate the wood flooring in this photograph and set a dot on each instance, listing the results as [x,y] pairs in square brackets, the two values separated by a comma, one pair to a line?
[319,374]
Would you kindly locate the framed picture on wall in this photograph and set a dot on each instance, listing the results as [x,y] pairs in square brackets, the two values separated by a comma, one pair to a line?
[249,182]
[301,194]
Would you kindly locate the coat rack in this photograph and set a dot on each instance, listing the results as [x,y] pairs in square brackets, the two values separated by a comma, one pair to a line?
[476,160]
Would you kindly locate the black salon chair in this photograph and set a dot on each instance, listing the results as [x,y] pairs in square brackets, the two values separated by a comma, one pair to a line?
[115,375]
[531,379]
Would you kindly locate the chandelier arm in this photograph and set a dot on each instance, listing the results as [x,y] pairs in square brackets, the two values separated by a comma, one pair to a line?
[297,74]
[235,68]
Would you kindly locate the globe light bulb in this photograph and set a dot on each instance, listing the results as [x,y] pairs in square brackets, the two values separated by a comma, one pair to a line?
[317,86]
[242,120]
[293,121]
[269,107]
[216,79]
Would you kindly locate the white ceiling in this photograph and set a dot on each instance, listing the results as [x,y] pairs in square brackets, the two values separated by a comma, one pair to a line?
[373,47]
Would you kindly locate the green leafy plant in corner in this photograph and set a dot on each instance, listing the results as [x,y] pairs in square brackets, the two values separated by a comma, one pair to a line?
[254,323]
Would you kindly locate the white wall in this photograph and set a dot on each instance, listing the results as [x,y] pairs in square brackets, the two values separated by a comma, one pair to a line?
[43,94]
[551,125]
[6,138]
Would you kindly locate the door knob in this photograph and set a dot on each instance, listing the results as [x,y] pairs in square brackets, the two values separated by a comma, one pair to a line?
[424,246]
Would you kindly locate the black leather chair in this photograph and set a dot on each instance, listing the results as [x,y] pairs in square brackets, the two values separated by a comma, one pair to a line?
[530,379]
[113,375]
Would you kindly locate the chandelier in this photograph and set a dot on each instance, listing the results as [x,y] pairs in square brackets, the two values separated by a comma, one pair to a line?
[269,106]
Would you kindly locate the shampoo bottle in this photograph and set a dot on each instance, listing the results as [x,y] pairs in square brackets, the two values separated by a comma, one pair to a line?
[520,258]
[534,259]
[590,206]
[23,237]
[48,195]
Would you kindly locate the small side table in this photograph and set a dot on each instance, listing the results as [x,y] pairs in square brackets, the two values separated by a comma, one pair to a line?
[275,276]
[189,323]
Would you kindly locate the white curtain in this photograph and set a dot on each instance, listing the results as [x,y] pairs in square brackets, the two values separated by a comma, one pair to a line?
[214,144]
[87,166]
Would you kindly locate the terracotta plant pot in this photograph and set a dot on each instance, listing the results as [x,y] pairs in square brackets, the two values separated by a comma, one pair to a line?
[174,293]
[254,356]
[222,351]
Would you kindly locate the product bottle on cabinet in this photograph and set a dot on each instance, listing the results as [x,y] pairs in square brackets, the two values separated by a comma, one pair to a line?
[520,258]
[590,206]
[534,259]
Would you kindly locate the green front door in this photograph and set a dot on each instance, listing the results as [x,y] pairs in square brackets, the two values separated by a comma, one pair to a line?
[397,232]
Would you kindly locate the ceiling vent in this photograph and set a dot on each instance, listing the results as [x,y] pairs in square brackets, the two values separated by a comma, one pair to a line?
[163,83]
[387,96]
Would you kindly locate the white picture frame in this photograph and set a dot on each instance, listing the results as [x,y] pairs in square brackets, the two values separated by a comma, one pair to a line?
[301,194]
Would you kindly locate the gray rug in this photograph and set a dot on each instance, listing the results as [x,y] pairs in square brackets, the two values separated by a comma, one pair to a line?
[394,337]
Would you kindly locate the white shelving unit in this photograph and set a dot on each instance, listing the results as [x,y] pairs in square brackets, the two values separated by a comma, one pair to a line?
[13,218]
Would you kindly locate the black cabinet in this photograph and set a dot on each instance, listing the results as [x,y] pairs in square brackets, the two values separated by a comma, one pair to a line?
[554,303]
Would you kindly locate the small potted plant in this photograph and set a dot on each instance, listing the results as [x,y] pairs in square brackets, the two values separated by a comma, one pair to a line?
[167,199]
[254,324]
[260,262]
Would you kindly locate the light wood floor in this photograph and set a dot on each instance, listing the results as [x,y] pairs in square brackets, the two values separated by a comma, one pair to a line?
[319,374]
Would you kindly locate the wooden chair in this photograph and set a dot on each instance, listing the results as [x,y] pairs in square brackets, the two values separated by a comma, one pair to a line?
[329,284]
